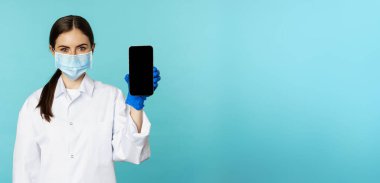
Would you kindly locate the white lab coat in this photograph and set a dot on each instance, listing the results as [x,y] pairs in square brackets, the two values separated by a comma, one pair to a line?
[85,136]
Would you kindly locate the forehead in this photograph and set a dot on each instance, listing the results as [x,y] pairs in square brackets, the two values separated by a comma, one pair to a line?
[72,38]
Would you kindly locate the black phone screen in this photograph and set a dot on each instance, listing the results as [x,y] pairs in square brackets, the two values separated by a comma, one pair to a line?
[141,70]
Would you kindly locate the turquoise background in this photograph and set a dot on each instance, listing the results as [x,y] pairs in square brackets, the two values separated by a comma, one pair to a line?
[251,91]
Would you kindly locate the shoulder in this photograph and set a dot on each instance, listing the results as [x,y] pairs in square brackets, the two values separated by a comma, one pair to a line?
[33,98]
[30,104]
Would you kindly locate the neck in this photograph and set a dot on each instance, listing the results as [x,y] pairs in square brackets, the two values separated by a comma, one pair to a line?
[70,84]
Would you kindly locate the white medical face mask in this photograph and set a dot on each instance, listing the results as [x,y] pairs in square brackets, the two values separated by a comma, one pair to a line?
[73,65]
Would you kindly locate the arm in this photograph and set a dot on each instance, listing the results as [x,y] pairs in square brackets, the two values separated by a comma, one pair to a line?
[137,116]
[137,102]
[26,155]
[128,144]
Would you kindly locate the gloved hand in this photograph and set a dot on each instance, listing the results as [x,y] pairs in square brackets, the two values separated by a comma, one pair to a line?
[137,102]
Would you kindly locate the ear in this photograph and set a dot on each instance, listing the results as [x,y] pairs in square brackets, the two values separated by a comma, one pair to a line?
[51,50]
[93,48]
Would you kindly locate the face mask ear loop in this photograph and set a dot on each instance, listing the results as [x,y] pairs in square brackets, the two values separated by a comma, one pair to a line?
[55,59]
[91,60]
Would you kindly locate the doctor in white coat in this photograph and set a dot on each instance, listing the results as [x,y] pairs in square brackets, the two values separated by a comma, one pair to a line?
[74,128]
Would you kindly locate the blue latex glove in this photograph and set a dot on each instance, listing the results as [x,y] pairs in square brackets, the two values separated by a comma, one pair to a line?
[137,102]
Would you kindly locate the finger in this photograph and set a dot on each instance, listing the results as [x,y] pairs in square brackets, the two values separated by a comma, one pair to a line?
[156,79]
[126,78]
[157,73]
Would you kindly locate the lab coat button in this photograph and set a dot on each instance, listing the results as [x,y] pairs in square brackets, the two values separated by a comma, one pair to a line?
[71,123]
[72,156]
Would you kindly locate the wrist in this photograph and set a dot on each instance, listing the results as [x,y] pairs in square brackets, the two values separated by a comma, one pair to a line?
[135,101]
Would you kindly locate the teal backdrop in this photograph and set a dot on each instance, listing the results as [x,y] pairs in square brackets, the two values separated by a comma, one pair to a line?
[265,91]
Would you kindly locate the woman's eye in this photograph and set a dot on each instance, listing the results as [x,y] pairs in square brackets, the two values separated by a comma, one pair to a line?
[82,48]
[64,49]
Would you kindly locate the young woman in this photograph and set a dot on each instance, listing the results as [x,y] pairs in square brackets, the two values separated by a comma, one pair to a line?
[73,128]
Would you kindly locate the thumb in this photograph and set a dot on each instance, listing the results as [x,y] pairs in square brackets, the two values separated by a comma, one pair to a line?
[126,78]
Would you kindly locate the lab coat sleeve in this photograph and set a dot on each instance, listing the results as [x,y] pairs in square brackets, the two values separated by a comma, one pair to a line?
[26,154]
[129,145]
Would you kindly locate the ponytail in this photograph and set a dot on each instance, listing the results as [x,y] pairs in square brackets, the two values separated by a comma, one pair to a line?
[47,96]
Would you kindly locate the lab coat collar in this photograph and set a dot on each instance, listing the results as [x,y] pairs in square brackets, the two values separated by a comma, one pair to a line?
[86,86]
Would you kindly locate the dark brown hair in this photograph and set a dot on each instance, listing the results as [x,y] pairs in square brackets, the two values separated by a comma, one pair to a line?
[62,25]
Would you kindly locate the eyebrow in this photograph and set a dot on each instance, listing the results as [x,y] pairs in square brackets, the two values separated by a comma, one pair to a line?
[84,44]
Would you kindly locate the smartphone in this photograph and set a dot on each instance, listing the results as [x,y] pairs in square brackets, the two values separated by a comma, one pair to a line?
[141,70]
